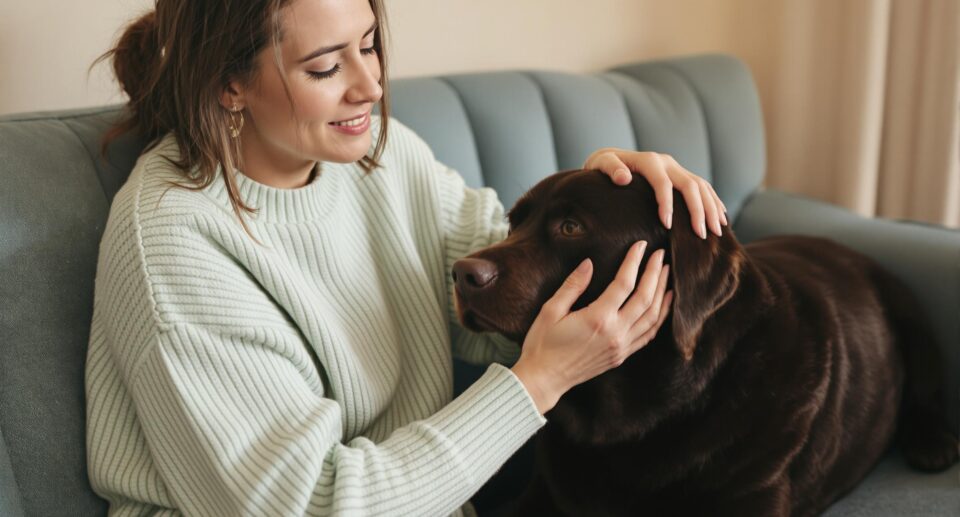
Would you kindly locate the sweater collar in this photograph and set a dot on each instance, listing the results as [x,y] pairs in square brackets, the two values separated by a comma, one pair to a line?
[279,205]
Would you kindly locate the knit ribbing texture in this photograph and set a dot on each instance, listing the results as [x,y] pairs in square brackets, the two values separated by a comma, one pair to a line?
[309,373]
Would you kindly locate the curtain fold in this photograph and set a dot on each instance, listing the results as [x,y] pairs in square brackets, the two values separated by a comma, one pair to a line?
[866,101]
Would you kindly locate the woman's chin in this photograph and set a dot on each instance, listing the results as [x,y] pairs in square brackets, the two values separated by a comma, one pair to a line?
[350,153]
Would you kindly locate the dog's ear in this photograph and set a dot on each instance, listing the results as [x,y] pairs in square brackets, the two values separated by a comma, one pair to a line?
[705,274]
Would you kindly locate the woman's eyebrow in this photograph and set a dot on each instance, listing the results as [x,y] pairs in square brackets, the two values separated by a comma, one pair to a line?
[333,48]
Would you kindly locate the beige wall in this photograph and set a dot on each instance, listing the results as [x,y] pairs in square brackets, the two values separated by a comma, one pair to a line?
[46,45]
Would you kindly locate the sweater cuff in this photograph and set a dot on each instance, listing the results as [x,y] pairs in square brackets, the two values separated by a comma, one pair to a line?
[490,421]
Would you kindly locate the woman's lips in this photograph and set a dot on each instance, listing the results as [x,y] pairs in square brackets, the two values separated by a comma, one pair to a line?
[358,125]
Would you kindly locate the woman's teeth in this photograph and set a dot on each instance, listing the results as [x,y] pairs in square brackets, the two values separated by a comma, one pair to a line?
[349,123]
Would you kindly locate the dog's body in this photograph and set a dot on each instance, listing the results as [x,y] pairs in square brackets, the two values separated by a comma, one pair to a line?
[773,389]
[788,401]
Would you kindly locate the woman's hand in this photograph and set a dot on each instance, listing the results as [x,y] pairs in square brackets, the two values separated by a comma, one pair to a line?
[664,174]
[563,348]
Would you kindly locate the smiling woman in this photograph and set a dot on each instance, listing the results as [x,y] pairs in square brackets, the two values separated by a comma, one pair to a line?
[324,70]
[300,362]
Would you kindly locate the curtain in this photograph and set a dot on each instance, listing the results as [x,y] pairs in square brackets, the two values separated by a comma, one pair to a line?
[865,106]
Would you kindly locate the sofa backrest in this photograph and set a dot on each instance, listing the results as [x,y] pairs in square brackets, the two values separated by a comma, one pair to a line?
[506,130]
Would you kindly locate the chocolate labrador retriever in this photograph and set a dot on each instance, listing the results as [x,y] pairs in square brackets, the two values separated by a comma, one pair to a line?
[777,383]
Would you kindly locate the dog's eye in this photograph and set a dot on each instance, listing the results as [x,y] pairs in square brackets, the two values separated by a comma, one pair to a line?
[570,228]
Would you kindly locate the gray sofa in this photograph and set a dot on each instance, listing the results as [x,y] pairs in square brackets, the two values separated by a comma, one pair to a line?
[505,130]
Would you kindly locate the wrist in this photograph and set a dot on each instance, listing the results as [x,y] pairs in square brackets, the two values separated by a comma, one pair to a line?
[543,393]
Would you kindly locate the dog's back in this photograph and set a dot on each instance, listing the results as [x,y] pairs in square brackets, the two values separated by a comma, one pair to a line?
[835,297]
[804,404]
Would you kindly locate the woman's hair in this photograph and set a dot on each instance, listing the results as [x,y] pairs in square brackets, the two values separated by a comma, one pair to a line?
[174,64]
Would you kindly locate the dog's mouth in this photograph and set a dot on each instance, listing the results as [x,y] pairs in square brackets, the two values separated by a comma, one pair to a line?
[477,322]
[472,319]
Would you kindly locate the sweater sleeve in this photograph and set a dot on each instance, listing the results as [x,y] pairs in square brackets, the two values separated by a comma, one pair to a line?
[232,406]
[235,429]
[471,219]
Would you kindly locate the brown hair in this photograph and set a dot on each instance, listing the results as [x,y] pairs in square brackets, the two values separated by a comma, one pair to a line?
[174,64]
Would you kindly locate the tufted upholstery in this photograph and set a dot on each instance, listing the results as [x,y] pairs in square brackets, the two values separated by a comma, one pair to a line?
[505,130]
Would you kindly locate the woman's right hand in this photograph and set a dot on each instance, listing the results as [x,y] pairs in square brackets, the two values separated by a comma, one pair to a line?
[563,348]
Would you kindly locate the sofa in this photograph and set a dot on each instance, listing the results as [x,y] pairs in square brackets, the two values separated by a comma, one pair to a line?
[504,130]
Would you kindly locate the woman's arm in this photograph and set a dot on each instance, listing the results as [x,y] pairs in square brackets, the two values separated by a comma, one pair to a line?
[471,219]
[235,429]
[197,391]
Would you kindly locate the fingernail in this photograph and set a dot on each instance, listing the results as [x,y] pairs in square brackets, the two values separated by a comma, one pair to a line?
[623,174]
[642,246]
[582,267]
[669,220]
[703,230]
[662,254]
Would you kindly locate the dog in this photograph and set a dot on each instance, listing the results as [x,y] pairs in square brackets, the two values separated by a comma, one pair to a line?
[785,371]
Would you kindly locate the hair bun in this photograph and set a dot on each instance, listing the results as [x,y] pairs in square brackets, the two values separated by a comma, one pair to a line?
[137,56]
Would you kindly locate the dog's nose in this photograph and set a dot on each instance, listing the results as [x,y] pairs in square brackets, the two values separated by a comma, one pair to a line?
[473,274]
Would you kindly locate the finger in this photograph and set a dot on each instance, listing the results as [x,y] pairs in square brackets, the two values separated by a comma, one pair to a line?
[573,286]
[710,207]
[613,296]
[643,296]
[691,194]
[653,279]
[611,165]
[648,336]
[647,318]
[654,170]
[723,209]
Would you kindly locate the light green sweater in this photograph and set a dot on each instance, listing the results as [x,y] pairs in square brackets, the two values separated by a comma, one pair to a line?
[311,374]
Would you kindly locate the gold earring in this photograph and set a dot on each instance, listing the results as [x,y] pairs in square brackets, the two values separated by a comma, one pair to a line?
[235,125]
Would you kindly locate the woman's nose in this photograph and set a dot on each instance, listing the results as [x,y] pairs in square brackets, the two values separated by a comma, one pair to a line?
[366,82]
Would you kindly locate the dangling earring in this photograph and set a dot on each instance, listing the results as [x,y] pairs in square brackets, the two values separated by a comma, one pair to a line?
[235,125]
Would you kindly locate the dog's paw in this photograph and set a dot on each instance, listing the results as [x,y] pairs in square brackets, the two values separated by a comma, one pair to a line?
[930,449]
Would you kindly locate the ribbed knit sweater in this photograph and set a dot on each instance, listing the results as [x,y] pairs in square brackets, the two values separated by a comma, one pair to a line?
[310,373]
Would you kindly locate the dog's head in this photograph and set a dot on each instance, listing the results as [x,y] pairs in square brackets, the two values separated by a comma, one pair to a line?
[574,215]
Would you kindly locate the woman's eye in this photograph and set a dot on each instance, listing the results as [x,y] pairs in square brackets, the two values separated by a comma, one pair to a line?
[336,69]
[326,74]
[570,228]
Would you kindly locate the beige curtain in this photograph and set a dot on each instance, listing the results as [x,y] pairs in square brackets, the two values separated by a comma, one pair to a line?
[866,109]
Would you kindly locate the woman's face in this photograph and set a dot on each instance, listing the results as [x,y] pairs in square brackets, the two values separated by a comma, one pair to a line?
[333,74]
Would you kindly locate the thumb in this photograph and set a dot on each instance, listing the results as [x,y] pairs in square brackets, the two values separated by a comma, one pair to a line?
[572,288]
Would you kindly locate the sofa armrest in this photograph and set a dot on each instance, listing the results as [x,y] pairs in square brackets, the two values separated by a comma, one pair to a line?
[925,257]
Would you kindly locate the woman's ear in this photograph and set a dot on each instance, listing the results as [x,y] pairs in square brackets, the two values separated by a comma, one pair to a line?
[232,95]
[706,274]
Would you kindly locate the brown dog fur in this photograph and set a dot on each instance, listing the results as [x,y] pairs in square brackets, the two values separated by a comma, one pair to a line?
[773,388]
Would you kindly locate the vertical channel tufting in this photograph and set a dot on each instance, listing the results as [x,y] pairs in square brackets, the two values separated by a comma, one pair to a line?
[731,120]
[666,115]
[585,113]
[511,127]
[547,110]
[734,119]
[433,109]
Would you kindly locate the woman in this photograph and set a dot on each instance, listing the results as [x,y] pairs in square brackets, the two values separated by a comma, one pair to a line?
[274,341]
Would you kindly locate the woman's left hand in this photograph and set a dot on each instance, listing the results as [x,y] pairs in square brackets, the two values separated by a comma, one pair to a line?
[664,174]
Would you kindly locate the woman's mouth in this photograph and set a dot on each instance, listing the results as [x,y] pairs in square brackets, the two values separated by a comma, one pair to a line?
[354,126]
